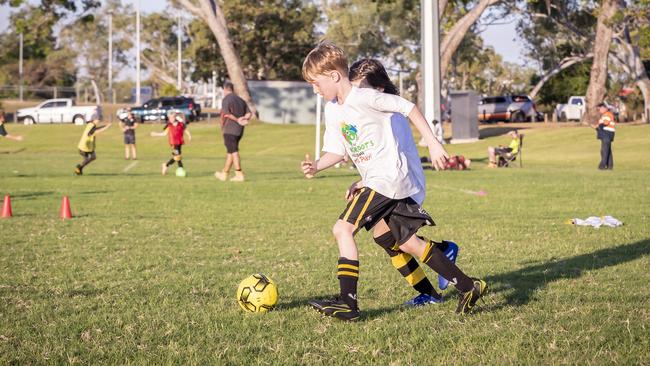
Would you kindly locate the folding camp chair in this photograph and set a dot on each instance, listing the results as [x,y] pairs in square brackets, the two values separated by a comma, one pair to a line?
[506,159]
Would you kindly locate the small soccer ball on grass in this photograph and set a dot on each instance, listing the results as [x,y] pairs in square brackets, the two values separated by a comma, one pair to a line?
[180,172]
[257,294]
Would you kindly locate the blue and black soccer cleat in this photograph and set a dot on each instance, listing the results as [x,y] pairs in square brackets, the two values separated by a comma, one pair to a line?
[451,253]
[424,299]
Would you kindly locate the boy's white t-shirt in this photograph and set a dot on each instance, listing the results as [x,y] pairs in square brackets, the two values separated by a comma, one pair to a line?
[372,128]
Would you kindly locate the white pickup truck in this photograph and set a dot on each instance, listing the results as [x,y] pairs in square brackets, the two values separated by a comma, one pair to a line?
[573,110]
[58,111]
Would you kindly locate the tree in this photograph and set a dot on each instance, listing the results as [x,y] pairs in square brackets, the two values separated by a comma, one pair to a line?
[211,13]
[390,29]
[598,76]
[46,62]
[272,39]
[91,56]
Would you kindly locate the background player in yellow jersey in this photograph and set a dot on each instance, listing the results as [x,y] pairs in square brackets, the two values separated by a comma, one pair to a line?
[87,143]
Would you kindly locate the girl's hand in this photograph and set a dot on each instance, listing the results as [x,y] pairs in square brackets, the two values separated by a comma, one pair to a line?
[353,190]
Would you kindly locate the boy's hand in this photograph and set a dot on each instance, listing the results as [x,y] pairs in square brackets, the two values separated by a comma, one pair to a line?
[439,157]
[242,121]
[308,167]
[353,190]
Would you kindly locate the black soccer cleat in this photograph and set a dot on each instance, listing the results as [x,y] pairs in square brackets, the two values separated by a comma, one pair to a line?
[336,308]
[77,170]
[468,299]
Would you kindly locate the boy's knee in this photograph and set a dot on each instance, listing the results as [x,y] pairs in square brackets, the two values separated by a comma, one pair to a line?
[342,228]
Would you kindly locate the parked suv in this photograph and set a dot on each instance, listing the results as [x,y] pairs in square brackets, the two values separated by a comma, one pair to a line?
[158,108]
[509,108]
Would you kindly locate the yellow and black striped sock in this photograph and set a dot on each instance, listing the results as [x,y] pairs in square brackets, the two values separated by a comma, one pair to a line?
[348,275]
[406,265]
[435,259]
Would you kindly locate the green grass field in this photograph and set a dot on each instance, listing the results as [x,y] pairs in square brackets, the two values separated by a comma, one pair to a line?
[146,271]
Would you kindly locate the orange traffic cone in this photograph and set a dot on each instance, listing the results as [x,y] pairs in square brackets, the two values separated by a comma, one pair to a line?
[65,208]
[6,207]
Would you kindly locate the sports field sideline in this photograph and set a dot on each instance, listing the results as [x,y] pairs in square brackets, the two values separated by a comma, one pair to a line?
[146,271]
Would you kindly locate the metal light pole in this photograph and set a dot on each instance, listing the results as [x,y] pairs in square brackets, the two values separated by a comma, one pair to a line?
[214,89]
[20,68]
[180,70]
[430,40]
[110,58]
[137,53]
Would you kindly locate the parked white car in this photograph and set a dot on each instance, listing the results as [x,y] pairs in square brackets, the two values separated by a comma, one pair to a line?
[58,111]
[573,110]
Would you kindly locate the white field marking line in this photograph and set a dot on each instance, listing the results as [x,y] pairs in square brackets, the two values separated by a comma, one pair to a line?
[130,166]
[475,193]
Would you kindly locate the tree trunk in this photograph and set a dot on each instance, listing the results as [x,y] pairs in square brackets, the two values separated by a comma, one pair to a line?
[442,5]
[598,76]
[212,15]
[453,39]
[632,56]
[564,64]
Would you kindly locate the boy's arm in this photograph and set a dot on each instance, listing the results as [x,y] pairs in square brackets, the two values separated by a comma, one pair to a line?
[102,129]
[437,153]
[327,160]
[14,137]
[189,135]
[163,133]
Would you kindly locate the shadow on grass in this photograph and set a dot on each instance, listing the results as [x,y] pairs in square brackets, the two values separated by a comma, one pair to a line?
[523,283]
[497,131]
[13,151]
[32,195]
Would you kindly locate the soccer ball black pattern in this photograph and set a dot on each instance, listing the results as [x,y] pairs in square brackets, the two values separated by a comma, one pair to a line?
[257,293]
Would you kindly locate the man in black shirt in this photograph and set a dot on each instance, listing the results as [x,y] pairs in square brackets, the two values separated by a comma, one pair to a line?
[235,114]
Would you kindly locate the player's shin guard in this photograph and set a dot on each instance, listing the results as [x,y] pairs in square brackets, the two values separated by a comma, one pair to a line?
[406,265]
[435,259]
[348,275]
[170,162]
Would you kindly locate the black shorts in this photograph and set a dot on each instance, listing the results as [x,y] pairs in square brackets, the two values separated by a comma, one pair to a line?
[404,216]
[129,137]
[87,154]
[231,142]
[503,150]
[176,150]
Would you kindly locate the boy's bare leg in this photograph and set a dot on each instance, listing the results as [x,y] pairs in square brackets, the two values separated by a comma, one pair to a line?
[126,152]
[403,262]
[348,263]
[434,258]
[134,155]
[344,234]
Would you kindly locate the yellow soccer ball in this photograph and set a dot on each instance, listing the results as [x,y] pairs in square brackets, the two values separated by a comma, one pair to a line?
[257,293]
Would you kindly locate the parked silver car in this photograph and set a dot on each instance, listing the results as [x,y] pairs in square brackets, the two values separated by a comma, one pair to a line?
[509,108]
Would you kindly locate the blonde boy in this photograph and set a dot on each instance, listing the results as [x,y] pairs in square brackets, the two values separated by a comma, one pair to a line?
[358,123]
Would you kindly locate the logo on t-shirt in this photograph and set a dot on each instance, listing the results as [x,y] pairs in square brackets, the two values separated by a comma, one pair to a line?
[349,132]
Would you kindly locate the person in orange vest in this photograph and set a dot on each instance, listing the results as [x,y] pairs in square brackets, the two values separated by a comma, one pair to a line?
[605,131]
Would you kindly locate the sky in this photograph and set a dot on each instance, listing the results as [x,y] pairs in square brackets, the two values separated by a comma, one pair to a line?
[502,37]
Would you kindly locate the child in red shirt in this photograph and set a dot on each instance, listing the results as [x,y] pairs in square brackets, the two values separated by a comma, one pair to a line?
[174,129]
